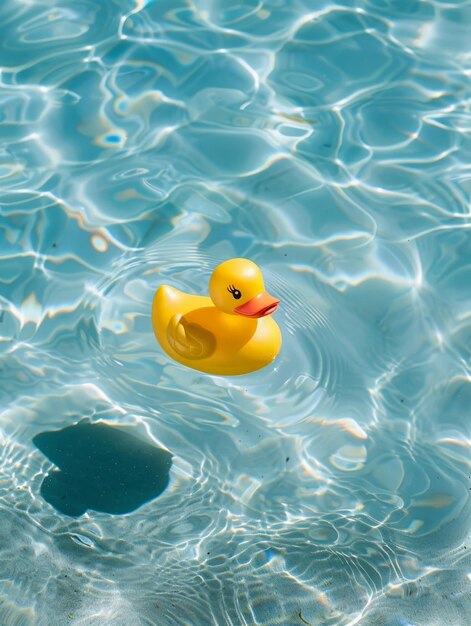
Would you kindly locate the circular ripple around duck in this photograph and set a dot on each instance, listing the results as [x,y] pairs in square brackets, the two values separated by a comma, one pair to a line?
[134,370]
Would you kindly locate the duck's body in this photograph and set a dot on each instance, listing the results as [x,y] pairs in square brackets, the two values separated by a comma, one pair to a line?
[197,333]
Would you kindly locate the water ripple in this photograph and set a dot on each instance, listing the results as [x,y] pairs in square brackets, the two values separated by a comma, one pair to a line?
[144,142]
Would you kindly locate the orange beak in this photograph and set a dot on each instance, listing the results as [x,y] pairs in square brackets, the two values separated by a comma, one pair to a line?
[261,305]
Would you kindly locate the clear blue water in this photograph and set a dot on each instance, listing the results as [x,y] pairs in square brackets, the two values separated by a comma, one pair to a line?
[145,142]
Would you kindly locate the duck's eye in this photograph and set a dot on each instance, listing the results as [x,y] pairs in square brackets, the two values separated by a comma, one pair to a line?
[235,292]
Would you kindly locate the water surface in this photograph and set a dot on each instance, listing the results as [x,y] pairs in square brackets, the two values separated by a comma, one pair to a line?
[145,142]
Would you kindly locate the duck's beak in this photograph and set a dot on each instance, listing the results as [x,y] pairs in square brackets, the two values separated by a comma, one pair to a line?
[261,305]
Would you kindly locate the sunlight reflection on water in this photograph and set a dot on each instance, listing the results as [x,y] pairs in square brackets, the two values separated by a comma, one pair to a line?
[145,142]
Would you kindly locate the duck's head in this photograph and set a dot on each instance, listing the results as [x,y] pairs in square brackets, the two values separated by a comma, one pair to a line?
[237,287]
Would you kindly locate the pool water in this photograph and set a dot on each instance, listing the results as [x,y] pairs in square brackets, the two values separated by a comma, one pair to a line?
[143,142]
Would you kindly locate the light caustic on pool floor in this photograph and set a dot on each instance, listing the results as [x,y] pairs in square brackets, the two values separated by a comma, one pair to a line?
[145,142]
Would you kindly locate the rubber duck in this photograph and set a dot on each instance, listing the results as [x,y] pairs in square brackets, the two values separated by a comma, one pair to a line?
[230,333]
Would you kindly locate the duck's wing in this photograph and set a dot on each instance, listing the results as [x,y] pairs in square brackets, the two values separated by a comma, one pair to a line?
[190,341]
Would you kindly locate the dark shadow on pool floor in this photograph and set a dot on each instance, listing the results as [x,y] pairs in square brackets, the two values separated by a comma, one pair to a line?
[102,468]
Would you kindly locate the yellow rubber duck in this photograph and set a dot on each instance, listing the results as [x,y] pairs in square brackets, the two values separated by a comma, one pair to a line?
[230,333]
